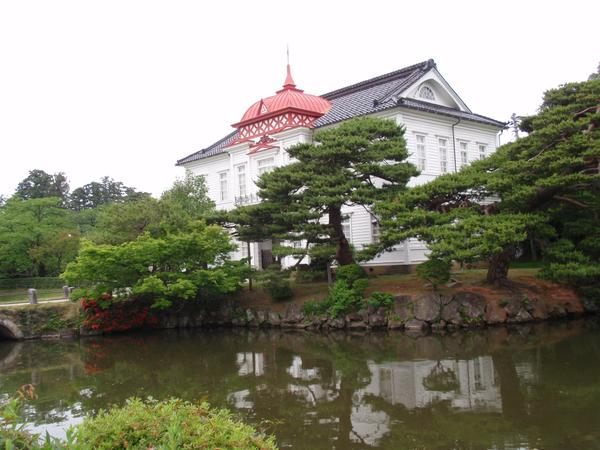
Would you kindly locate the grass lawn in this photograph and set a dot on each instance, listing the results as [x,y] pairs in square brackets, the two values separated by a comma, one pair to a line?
[20,295]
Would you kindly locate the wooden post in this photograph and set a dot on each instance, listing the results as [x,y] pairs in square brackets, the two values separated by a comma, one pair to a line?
[32,294]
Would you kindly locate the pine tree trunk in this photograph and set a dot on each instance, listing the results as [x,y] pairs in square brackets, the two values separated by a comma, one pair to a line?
[343,253]
[497,273]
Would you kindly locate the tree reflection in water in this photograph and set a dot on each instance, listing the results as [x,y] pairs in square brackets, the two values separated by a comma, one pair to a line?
[529,387]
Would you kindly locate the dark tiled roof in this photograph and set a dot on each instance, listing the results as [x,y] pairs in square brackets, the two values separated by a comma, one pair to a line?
[369,96]
[215,149]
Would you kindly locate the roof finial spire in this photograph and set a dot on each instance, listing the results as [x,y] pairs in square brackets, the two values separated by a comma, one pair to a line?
[289,81]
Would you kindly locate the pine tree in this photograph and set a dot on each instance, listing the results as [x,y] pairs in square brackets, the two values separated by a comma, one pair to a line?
[358,162]
[540,187]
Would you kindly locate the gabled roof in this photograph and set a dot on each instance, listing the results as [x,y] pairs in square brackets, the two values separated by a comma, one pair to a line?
[367,97]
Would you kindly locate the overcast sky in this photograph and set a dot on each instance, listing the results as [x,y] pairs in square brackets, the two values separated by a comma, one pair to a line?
[125,88]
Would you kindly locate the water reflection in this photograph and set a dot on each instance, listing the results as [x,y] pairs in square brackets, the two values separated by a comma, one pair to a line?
[527,387]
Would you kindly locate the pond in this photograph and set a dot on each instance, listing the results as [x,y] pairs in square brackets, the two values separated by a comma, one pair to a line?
[527,387]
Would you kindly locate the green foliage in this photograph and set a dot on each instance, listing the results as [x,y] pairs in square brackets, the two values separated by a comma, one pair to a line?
[168,424]
[544,186]
[95,194]
[185,202]
[121,222]
[342,299]
[39,184]
[315,308]
[31,282]
[381,300]
[37,237]
[140,425]
[277,283]
[350,273]
[192,264]
[338,169]
[435,271]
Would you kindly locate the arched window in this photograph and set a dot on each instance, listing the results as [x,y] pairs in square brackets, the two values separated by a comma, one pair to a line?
[426,93]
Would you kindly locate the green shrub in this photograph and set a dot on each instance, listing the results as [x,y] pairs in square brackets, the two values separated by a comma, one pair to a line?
[350,273]
[315,307]
[141,425]
[381,300]
[168,424]
[435,271]
[277,283]
[342,299]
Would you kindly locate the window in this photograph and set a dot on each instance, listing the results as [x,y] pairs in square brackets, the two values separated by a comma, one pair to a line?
[421,152]
[223,186]
[265,165]
[482,151]
[375,231]
[347,228]
[443,147]
[426,92]
[241,176]
[243,247]
[464,158]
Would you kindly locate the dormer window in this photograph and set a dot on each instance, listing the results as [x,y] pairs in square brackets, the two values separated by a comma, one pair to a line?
[427,93]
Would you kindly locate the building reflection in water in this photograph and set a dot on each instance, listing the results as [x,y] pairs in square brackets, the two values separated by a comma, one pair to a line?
[251,363]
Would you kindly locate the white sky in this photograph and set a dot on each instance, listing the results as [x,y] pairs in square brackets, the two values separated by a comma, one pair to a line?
[125,88]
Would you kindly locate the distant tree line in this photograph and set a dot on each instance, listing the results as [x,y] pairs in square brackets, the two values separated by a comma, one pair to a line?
[43,223]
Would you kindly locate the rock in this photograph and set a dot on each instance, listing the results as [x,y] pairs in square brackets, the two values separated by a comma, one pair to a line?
[183,321]
[557,311]
[336,324]
[451,313]
[427,308]
[573,307]
[403,308]
[591,306]
[293,314]
[262,317]
[378,318]
[415,325]
[356,325]
[521,316]
[539,310]
[354,317]
[393,324]
[471,306]
[274,319]
[494,314]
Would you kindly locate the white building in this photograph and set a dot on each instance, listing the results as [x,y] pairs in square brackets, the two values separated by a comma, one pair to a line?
[442,135]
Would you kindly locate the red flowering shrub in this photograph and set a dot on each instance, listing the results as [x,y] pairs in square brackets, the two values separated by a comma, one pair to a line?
[108,316]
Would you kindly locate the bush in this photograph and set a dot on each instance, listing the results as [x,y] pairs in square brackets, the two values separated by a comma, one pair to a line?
[315,307]
[142,425]
[381,300]
[342,299]
[350,273]
[190,265]
[168,424]
[277,283]
[435,271]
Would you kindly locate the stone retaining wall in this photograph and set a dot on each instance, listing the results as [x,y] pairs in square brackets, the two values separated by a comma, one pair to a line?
[462,309]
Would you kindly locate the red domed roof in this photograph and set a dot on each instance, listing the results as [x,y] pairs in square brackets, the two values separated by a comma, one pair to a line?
[287,99]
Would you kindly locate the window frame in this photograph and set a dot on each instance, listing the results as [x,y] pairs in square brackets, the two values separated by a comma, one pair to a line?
[443,152]
[421,151]
[242,192]
[224,178]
